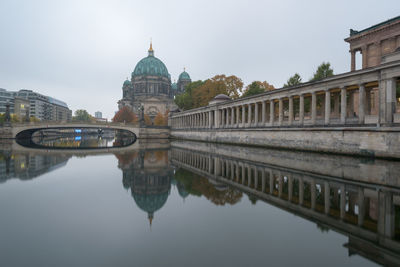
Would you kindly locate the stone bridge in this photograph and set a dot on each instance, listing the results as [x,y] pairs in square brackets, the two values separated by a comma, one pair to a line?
[14,130]
[349,113]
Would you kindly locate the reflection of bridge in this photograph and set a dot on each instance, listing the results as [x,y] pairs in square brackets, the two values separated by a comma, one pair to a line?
[18,129]
[364,212]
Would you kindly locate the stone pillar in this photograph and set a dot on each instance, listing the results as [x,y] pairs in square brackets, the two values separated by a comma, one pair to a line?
[237,115]
[263,112]
[210,117]
[343,105]
[313,107]
[361,103]
[390,99]
[271,182]
[271,112]
[249,115]
[353,60]
[313,194]
[280,118]
[243,115]
[280,184]
[290,185]
[232,116]
[290,110]
[223,118]
[361,206]
[301,191]
[243,174]
[327,106]
[327,202]
[248,175]
[255,178]
[364,57]
[342,202]
[301,110]
[263,180]
[256,114]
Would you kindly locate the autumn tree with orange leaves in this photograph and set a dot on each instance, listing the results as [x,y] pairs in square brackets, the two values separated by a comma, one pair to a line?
[125,114]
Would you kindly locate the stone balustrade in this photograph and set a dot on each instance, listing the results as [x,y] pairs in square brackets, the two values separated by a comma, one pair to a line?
[359,98]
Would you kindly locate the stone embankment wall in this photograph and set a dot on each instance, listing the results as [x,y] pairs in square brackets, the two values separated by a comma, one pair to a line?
[6,133]
[372,142]
[154,133]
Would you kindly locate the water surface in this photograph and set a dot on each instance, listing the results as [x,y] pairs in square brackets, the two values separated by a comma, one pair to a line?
[195,204]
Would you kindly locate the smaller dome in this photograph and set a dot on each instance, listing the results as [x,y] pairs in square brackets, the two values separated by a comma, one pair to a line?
[174,86]
[184,76]
[219,98]
[222,97]
[127,82]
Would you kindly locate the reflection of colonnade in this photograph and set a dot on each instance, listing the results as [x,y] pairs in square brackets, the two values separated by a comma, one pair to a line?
[357,209]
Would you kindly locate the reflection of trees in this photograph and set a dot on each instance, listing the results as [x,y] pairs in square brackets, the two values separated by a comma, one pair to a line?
[198,186]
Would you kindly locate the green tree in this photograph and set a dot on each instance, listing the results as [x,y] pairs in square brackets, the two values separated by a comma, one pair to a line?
[81,115]
[323,71]
[253,89]
[294,80]
[185,99]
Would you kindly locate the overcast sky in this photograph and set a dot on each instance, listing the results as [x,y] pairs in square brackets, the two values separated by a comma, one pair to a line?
[82,51]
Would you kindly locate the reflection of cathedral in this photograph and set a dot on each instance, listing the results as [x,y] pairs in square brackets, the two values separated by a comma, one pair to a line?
[150,86]
[148,176]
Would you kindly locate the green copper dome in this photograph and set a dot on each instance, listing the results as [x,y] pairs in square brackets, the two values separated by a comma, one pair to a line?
[151,66]
[184,76]
[174,86]
[127,82]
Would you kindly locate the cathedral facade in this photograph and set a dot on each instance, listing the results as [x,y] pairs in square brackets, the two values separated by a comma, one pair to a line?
[150,87]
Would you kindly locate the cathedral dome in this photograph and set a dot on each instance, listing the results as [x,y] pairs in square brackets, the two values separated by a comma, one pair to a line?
[184,76]
[174,86]
[151,66]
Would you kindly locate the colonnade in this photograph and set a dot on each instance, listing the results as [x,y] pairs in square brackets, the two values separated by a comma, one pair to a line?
[355,99]
[342,202]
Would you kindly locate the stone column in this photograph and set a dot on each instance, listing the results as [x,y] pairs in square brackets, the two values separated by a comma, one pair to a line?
[390,99]
[364,57]
[223,118]
[248,175]
[290,185]
[271,182]
[353,60]
[216,118]
[271,112]
[280,184]
[210,117]
[361,206]
[243,115]
[301,191]
[249,115]
[361,103]
[290,110]
[237,115]
[313,107]
[263,180]
[342,202]
[243,174]
[301,110]
[255,114]
[343,105]
[327,106]
[327,193]
[313,194]
[263,112]
[280,118]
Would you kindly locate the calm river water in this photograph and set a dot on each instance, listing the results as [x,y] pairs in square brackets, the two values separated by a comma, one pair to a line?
[161,203]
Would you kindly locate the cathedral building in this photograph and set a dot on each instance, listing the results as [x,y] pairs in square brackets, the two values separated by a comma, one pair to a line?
[150,87]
